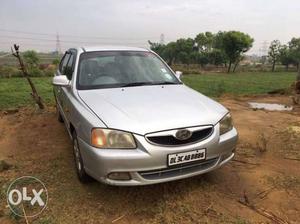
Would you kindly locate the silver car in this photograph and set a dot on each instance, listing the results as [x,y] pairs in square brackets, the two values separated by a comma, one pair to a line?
[133,122]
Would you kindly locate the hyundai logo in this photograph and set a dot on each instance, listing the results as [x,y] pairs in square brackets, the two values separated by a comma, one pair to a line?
[183,134]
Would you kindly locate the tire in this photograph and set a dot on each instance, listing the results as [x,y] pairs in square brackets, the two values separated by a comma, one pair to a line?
[82,175]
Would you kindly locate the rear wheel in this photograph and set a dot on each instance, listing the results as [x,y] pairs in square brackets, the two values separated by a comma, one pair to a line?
[82,175]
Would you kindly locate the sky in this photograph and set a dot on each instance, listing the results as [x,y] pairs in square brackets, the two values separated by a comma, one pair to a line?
[35,24]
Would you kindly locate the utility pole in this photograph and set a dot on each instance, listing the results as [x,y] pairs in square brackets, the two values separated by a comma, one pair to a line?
[58,47]
[162,39]
[263,51]
[264,48]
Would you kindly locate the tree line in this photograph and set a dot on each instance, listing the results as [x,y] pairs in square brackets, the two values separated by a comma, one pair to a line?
[224,48]
[286,54]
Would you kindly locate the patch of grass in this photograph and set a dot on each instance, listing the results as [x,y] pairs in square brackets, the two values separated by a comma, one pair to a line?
[13,215]
[240,221]
[284,182]
[46,220]
[15,92]
[239,83]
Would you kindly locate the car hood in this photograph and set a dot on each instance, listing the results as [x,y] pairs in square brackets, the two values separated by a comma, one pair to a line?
[146,109]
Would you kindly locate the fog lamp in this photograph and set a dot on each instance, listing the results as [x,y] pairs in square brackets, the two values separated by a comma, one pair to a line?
[119,176]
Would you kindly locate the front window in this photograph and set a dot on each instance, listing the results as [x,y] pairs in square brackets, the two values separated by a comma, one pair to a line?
[108,69]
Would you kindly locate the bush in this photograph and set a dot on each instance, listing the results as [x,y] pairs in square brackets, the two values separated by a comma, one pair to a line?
[49,71]
[9,71]
[31,58]
[56,61]
[35,72]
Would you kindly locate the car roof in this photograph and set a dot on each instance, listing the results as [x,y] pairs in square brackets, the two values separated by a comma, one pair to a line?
[111,48]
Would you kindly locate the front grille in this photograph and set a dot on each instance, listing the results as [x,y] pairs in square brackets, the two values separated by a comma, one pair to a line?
[170,140]
[178,170]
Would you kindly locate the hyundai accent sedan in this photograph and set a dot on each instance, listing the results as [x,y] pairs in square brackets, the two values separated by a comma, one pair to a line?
[133,122]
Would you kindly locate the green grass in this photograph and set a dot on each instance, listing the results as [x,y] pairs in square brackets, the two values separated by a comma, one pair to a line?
[239,83]
[15,92]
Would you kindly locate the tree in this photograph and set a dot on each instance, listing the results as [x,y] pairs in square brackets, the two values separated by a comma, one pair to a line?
[205,41]
[217,57]
[274,53]
[294,46]
[218,45]
[237,62]
[194,57]
[34,93]
[285,56]
[184,48]
[206,48]
[169,53]
[234,44]
[31,59]
[183,57]
[163,50]
[203,58]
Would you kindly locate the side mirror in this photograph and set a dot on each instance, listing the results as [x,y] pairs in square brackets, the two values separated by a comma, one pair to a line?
[178,74]
[61,80]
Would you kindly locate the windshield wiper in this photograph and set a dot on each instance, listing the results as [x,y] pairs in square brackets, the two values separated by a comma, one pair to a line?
[148,83]
[164,83]
[137,84]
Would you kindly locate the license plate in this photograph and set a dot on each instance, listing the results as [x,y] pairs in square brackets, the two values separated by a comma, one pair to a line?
[185,157]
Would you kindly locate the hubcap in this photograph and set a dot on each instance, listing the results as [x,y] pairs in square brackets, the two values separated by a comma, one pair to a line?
[77,155]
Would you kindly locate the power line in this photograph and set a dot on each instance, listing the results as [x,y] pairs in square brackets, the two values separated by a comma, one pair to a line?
[45,40]
[75,36]
[68,41]
[33,44]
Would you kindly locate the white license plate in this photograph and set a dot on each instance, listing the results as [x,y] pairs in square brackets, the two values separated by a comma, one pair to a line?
[185,157]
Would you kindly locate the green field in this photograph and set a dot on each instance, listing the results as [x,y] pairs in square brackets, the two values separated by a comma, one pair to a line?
[15,92]
[240,83]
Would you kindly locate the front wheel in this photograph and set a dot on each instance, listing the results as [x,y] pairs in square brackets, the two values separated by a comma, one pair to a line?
[82,175]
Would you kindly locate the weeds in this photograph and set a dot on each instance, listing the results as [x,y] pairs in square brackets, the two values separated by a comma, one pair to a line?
[284,182]
[240,221]
[262,143]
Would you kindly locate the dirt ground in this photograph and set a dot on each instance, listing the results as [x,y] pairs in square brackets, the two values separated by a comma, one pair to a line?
[265,173]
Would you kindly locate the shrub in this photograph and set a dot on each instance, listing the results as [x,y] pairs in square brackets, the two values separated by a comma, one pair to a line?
[56,61]
[35,72]
[49,71]
[31,58]
[9,71]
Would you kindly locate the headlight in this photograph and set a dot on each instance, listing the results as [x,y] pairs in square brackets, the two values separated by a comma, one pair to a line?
[112,139]
[226,124]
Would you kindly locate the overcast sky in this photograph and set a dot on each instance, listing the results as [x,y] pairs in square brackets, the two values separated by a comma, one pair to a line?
[35,23]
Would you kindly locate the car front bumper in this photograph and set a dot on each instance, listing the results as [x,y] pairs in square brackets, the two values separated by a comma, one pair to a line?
[148,163]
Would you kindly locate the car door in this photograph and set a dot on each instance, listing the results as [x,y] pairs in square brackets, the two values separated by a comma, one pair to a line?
[66,92]
[57,89]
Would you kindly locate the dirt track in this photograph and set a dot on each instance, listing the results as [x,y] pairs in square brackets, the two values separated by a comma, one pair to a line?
[266,170]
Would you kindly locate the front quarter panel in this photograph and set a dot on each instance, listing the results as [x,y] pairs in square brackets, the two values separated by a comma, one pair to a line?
[75,112]
[81,117]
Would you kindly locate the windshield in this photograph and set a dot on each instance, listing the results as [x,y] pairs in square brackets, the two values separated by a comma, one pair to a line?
[108,69]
